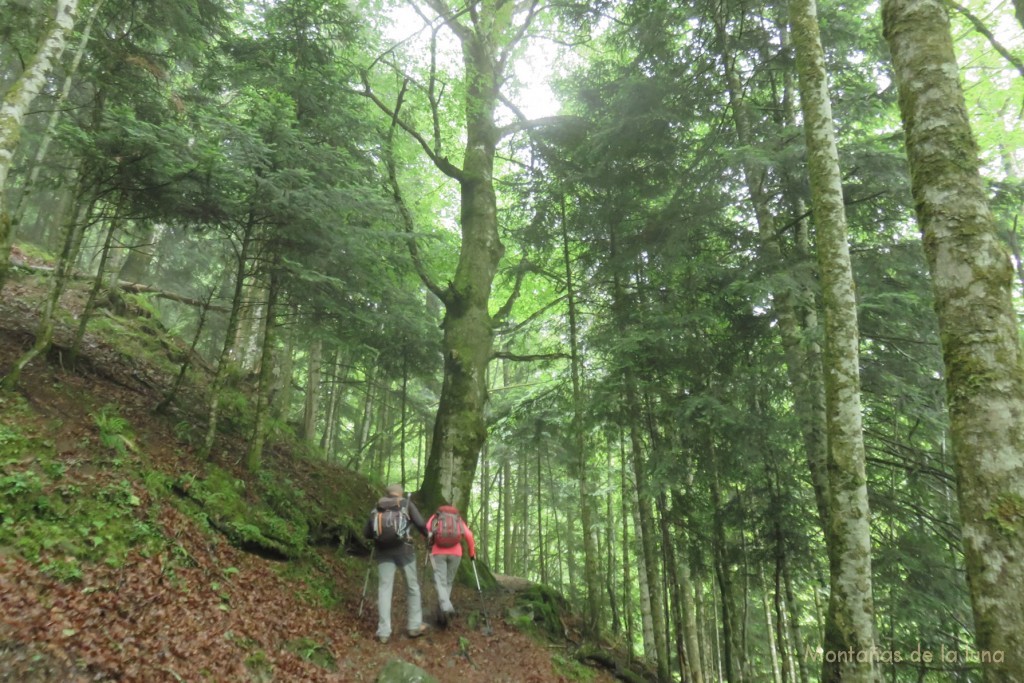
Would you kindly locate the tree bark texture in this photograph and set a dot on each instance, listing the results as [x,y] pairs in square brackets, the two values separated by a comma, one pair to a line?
[851,607]
[15,107]
[460,429]
[972,279]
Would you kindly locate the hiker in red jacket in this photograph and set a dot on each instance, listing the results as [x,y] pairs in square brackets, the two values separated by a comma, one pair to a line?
[446,531]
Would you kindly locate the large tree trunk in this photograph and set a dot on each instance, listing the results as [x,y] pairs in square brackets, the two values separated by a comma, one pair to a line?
[973,281]
[460,429]
[851,608]
[15,107]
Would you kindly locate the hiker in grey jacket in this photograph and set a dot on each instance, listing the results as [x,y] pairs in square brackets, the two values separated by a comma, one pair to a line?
[392,556]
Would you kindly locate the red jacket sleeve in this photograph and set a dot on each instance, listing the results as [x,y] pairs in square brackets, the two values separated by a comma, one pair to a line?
[469,538]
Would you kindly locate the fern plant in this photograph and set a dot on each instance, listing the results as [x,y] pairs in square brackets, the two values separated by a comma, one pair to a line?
[114,429]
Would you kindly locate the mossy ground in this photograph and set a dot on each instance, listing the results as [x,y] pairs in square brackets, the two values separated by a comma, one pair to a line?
[123,556]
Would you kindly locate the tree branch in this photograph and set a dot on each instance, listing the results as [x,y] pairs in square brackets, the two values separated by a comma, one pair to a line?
[533,316]
[442,163]
[508,355]
[518,37]
[449,17]
[523,123]
[524,267]
[980,27]
[403,209]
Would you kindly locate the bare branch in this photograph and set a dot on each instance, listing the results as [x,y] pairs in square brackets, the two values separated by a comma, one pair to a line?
[506,53]
[450,18]
[980,27]
[524,267]
[441,162]
[522,122]
[533,316]
[403,209]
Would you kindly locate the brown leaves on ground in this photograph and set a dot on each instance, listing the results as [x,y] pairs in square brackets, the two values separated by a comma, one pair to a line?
[202,610]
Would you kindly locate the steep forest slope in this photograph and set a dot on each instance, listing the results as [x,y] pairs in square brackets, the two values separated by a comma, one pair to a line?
[124,557]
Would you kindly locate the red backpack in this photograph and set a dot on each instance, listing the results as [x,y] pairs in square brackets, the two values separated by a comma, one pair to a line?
[447,527]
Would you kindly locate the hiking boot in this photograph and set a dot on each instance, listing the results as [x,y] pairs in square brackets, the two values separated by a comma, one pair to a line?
[383,639]
[419,631]
[448,616]
[442,618]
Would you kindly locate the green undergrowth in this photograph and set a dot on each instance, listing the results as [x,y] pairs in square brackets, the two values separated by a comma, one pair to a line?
[58,521]
[571,669]
[249,521]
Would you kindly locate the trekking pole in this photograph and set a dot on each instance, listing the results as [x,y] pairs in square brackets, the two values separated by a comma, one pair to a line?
[477,577]
[366,583]
[487,630]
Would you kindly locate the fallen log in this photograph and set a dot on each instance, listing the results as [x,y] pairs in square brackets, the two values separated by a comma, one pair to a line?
[132,287]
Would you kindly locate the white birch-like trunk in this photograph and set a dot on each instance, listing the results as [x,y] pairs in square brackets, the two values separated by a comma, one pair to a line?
[851,609]
[15,107]
[972,278]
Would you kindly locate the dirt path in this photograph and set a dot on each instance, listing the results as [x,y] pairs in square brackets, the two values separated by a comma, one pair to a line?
[200,609]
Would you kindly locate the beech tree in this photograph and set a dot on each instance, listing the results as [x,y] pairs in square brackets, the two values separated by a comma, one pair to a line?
[16,103]
[972,278]
[851,623]
[488,33]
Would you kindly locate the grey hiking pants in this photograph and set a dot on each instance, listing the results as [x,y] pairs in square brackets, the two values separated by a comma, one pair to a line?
[445,567]
[386,570]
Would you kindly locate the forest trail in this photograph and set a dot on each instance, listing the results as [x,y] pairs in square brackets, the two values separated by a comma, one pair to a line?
[182,604]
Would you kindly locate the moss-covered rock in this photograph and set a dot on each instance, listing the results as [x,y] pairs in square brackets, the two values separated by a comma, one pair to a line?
[245,521]
[397,671]
[543,608]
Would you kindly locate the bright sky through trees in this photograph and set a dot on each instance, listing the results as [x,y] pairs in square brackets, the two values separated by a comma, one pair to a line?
[531,92]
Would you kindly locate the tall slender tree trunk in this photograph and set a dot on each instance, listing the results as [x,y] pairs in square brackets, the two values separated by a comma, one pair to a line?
[311,408]
[779,674]
[723,577]
[851,606]
[74,227]
[268,369]
[627,516]
[179,379]
[31,181]
[972,278]
[221,374]
[647,596]
[794,625]
[331,414]
[591,578]
[609,544]
[94,291]
[15,107]
[795,309]
[674,586]
[506,516]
